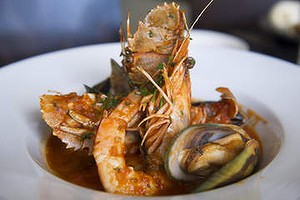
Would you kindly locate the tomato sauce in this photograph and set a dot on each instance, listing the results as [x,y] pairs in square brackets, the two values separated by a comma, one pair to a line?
[73,166]
[79,168]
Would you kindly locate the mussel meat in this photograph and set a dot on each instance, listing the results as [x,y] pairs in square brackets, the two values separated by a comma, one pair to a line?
[211,155]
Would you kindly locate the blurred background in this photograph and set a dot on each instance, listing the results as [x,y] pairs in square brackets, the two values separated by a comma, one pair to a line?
[33,27]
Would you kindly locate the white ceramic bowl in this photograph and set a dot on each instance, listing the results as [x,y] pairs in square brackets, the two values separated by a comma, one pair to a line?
[262,83]
[271,135]
[217,39]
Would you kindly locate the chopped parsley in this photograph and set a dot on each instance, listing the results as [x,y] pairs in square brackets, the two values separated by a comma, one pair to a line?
[160,80]
[154,95]
[87,135]
[161,102]
[110,102]
[144,90]
[160,66]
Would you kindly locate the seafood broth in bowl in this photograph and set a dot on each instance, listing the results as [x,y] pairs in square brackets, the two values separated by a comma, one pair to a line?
[56,164]
[139,133]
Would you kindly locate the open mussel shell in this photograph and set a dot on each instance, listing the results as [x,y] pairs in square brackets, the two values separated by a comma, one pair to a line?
[116,84]
[202,152]
[240,167]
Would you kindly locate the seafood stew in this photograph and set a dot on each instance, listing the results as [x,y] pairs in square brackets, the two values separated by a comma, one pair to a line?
[139,131]
[79,168]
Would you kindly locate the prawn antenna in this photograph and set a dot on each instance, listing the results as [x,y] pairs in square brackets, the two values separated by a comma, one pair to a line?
[154,83]
[128,25]
[201,13]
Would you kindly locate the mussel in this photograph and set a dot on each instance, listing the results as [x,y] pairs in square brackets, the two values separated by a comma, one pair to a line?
[212,155]
[117,83]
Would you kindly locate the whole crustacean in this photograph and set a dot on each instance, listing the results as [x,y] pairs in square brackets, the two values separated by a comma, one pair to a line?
[159,52]
[154,41]
[166,104]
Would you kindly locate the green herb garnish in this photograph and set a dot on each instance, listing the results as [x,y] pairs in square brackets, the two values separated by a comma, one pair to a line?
[87,135]
[161,102]
[144,90]
[160,66]
[160,80]
[154,95]
[110,102]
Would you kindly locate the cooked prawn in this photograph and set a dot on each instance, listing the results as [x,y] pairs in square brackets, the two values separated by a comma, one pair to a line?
[161,42]
[168,105]
[109,153]
[169,112]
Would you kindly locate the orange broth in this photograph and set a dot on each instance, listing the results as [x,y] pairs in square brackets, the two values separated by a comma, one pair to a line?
[79,168]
